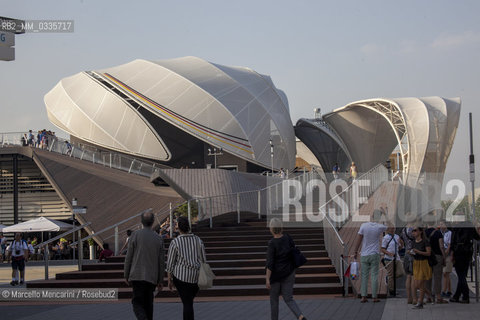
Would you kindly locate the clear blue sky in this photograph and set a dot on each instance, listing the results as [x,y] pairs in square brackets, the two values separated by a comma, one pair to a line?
[321,53]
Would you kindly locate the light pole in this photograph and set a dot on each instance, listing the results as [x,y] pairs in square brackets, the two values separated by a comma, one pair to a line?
[215,154]
[474,217]
[271,153]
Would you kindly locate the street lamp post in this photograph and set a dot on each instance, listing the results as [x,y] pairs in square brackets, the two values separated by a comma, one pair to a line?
[474,217]
[215,153]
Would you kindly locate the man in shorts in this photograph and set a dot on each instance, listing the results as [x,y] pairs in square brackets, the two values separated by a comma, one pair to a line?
[18,251]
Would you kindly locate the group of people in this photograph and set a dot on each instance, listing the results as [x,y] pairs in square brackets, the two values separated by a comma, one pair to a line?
[145,266]
[353,172]
[431,253]
[41,139]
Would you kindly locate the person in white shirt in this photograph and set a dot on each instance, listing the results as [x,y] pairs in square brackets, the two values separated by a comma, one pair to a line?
[391,244]
[18,250]
[369,238]
[447,269]
[3,246]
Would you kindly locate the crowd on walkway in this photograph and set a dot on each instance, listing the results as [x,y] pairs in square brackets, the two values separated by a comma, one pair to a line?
[430,252]
[41,139]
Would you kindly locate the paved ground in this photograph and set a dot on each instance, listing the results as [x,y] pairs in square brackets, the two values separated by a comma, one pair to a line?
[34,272]
[337,308]
[314,309]
[334,308]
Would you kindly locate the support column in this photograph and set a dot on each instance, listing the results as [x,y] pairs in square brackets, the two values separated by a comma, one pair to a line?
[15,189]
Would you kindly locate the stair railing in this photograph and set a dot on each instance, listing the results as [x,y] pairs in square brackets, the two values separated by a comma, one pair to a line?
[46,253]
[336,248]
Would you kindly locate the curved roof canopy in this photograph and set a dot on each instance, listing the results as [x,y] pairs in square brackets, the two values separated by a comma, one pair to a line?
[422,128]
[234,108]
[323,142]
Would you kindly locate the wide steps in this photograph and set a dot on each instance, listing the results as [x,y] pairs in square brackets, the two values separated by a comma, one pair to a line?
[236,254]
[213,264]
[225,271]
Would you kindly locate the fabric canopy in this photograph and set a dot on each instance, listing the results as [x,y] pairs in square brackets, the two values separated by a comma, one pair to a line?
[1,227]
[38,225]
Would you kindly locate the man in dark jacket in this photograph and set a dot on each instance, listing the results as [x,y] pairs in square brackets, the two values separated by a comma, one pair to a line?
[462,246]
[145,267]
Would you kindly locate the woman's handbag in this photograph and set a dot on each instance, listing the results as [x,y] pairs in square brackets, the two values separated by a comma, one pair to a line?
[432,259]
[205,275]
[399,270]
[299,258]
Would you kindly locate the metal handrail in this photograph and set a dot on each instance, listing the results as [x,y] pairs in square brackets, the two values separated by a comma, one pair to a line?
[349,187]
[112,226]
[46,252]
[57,145]
[62,235]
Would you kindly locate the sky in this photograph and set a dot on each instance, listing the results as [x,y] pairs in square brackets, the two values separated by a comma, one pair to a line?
[320,53]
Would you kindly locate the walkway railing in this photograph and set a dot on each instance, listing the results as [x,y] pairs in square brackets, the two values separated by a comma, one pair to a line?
[340,208]
[262,201]
[337,249]
[107,159]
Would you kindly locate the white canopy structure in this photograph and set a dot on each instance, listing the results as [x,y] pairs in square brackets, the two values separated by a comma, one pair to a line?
[1,227]
[128,107]
[367,132]
[38,225]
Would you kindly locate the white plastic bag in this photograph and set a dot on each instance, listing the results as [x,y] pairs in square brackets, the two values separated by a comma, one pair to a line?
[354,270]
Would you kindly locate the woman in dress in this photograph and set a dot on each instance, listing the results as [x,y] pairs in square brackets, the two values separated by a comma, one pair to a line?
[421,269]
[353,171]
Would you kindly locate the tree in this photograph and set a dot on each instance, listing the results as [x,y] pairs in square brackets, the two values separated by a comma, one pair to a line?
[182,210]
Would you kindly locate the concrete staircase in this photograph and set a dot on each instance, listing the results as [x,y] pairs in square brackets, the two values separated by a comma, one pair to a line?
[236,254]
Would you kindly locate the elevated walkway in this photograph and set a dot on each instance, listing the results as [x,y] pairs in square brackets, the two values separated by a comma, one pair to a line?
[111,195]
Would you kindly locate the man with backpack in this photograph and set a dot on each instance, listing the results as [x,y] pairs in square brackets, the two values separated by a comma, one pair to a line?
[462,247]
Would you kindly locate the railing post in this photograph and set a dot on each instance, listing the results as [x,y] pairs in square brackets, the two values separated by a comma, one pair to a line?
[199,210]
[51,146]
[46,255]
[276,195]
[80,251]
[211,213]
[269,196]
[171,221]
[131,166]
[259,206]
[238,208]
[116,241]
[189,214]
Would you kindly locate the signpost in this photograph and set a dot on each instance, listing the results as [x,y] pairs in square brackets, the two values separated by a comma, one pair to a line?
[8,28]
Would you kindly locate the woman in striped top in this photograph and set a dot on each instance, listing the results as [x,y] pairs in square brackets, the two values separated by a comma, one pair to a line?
[185,254]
